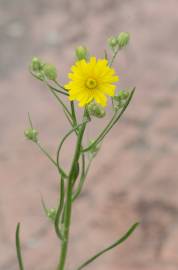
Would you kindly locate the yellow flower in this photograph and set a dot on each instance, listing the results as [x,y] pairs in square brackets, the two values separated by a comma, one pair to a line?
[91,80]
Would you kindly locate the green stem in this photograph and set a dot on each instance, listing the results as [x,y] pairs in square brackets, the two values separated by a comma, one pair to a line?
[68,206]
[73,113]
[42,79]
[58,99]
[112,122]
[82,179]
[56,90]
[63,140]
[68,118]
[115,119]
[46,153]
[114,56]
[30,121]
[61,171]
[53,90]
[98,139]
[60,85]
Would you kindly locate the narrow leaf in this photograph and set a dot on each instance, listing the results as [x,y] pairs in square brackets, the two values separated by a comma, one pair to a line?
[118,242]
[105,55]
[44,206]
[59,210]
[30,121]
[18,247]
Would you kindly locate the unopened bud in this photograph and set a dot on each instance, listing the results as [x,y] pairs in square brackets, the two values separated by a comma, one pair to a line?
[31,134]
[52,214]
[50,72]
[36,64]
[95,109]
[123,94]
[81,53]
[123,39]
[37,68]
[113,42]
[121,98]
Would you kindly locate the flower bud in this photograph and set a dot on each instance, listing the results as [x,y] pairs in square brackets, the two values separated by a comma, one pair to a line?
[123,94]
[112,42]
[31,134]
[36,64]
[95,109]
[81,53]
[121,98]
[123,39]
[52,214]
[50,72]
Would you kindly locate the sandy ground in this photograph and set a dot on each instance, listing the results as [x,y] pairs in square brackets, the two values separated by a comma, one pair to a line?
[135,177]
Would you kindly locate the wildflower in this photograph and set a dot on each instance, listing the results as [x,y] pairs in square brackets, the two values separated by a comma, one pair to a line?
[90,81]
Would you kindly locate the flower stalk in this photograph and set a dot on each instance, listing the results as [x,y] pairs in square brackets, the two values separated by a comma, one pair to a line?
[68,209]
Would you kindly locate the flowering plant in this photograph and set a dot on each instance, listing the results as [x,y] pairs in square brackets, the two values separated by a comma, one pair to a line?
[91,84]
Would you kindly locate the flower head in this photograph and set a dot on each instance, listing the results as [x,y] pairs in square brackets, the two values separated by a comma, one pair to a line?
[90,81]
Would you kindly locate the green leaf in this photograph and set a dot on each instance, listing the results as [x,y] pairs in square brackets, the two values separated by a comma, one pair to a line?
[18,247]
[105,55]
[118,242]
[44,206]
[59,210]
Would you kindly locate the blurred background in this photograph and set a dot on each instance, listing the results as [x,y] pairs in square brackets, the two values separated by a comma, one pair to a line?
[135,176]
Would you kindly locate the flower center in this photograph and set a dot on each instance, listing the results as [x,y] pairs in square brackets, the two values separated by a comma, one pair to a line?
[91,83]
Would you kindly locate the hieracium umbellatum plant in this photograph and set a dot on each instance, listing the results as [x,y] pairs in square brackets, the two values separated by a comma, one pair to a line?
[92,87]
